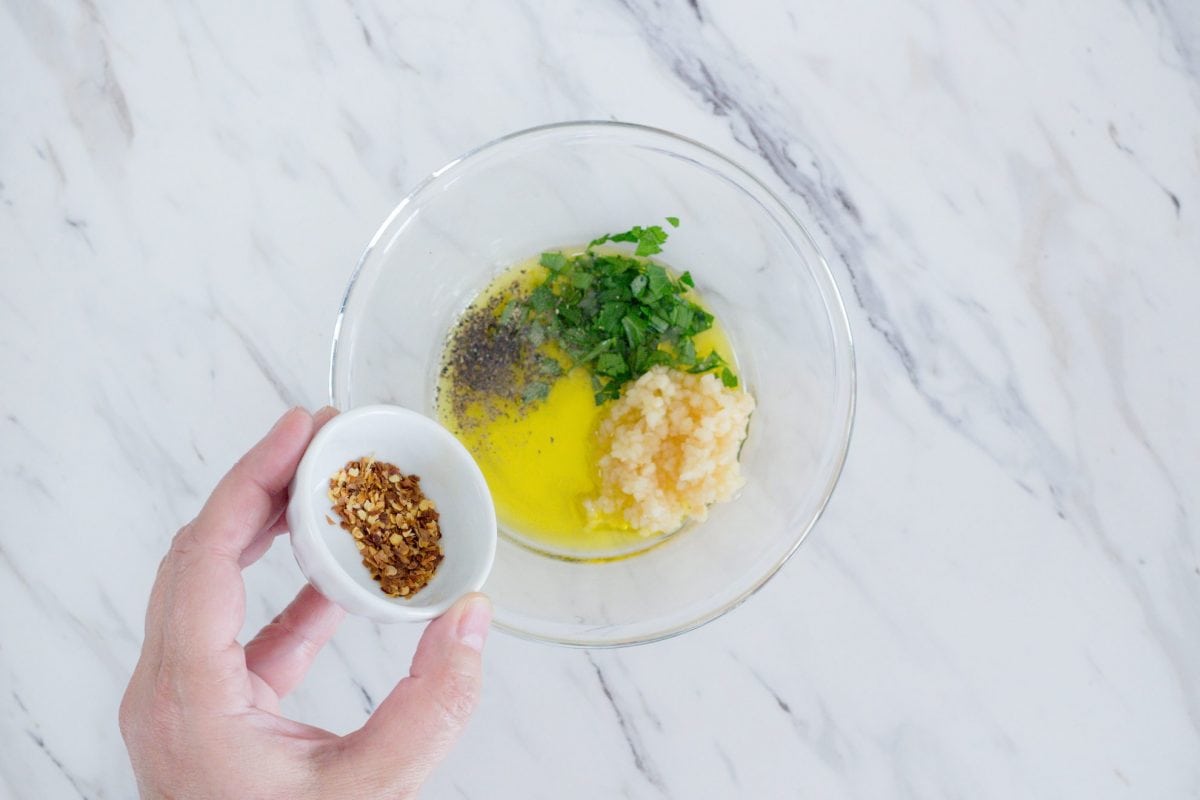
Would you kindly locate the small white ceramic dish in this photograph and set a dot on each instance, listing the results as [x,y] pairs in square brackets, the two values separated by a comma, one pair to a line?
[449,476]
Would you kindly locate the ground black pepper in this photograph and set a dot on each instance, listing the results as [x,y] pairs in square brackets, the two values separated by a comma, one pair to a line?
[493,364]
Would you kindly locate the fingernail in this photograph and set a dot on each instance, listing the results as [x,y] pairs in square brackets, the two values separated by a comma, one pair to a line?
[474,622]
[326,410]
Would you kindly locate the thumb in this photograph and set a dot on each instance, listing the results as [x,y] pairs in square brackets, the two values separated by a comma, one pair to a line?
[415,726]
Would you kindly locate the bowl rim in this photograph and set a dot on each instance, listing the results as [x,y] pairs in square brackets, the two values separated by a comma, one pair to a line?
[839,323]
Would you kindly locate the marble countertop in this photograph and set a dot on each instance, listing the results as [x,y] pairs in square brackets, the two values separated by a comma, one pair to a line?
[1003,597]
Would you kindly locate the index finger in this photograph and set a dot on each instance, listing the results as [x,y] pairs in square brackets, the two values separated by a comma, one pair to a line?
[204,603]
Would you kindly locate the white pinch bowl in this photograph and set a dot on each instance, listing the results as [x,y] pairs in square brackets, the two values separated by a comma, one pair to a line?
[449,477]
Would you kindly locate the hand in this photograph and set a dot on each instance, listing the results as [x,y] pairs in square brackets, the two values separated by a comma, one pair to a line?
[201,714]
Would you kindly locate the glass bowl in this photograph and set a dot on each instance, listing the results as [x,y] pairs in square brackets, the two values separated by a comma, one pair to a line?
[754,265]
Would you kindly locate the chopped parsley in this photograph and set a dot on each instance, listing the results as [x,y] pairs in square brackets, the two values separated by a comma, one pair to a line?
[616,315]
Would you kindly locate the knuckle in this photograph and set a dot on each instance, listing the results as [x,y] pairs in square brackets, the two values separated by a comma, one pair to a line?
[457,696]
[126,714]
[182,537]
[146,710]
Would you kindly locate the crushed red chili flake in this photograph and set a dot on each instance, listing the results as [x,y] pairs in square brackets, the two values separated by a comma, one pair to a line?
[394,525]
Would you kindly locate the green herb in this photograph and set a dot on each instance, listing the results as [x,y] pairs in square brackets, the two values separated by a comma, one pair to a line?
[534,391]
[615,315]
[649,240]
[550,368]
[553,261]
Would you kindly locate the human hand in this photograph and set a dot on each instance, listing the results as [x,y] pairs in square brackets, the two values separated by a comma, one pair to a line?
[201,714]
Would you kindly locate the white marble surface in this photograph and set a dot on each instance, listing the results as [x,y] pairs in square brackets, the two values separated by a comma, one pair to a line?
[1002,600]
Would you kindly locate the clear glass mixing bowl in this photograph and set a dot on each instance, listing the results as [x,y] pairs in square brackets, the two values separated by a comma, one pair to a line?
[754,264]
